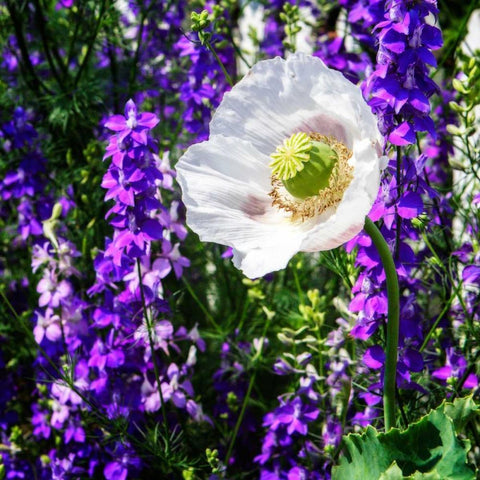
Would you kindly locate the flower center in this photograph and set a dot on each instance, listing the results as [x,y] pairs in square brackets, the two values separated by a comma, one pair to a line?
[310,173]
[304,165]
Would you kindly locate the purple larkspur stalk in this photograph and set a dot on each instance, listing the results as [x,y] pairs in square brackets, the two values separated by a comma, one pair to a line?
[399,90]
[304,431]
[139,345]
[62,332]
[60,316]
[285,443]
[400,86]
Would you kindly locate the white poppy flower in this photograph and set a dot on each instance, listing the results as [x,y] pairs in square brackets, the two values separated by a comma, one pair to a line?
[235,186]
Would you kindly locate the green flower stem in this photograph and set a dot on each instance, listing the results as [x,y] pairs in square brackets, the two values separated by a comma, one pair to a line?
[255,361]
[389,382]
[228,78]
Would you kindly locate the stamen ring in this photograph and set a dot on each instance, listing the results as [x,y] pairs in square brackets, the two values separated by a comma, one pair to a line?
[329,197]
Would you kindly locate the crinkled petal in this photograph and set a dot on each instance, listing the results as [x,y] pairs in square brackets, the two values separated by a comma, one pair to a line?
[279,97]
[225,184]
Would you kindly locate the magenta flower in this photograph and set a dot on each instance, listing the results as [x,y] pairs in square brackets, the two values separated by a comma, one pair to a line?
[454,369]
[121,184]
[132,125]
[295,416]
[162,335]
[103,354]
[175,389]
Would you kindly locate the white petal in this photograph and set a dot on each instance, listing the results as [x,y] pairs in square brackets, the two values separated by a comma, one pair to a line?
[225,184]
[279,97]
[256,263]
[225,181]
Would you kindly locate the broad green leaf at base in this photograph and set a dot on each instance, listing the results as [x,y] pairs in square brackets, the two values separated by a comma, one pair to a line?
[427,450]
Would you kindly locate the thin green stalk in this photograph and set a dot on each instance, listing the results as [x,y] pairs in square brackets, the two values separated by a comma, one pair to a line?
[243,316]
[91,44]
[240,417]
[398,220]
[136,56]
[207,314]
[300,293]
[389,381]
[31,77]
[249,391]
[47,44]
[446,308]
[217,58]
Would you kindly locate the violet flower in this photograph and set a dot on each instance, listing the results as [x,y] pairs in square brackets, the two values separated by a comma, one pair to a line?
[133,125]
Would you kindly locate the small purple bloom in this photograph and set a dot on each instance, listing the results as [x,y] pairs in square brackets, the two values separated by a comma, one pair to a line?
[132,124]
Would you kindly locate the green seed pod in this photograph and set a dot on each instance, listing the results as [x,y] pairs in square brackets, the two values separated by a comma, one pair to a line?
[315,174]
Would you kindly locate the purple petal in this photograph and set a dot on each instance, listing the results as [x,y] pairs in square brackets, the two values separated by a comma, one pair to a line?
[130,107]
[116,123]
[374,357]
[419,101]
[402,135]
[471,381]
[471,274]
[432,37]
[152,229]
[413,360]
[148,120]
[410,205]
[443,373]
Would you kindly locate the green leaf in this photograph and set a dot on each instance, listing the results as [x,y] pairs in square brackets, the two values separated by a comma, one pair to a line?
[461,411]
[394,472]
[434,475]
[364,457]
[428,450]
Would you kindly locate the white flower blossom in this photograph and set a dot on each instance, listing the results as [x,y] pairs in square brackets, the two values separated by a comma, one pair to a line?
[231,187]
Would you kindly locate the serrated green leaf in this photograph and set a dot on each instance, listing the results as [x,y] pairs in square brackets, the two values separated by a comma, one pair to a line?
[364,457]
[428,449]
[461,411]
[394,472]
[434,475]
